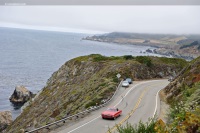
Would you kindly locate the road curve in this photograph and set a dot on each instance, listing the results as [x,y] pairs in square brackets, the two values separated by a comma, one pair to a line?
[140,100]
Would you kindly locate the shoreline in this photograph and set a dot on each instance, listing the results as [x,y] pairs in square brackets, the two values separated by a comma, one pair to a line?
[155,51]
[136,44]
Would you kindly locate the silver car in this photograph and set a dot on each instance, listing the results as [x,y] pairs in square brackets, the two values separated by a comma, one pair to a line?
[125,83]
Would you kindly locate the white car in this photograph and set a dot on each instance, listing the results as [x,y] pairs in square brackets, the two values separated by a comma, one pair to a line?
[125,83]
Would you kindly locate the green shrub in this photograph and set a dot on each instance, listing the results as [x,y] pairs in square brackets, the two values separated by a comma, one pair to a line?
[103,84]
[111,88]
[144,60]
[175,61]
[128,57]
[115,79]
[182,120]
[98,58]
[92,103]
[141,127]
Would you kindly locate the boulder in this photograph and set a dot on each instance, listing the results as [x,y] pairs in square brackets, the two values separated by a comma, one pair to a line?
[20,95]
[149,51]
[5,119]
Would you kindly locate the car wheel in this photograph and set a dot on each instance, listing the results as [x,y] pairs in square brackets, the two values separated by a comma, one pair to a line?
[103,118]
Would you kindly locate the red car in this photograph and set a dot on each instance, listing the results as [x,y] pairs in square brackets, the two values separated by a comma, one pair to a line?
[111,113]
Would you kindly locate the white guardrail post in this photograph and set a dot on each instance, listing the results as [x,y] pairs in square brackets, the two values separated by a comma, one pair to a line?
[86,111]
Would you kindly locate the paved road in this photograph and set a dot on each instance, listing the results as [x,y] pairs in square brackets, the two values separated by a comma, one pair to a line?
[139,100]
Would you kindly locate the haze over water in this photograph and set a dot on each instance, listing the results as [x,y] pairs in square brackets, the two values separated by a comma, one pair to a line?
[29,57]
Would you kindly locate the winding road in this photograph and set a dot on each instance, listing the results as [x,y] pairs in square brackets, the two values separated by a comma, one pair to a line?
[140,101]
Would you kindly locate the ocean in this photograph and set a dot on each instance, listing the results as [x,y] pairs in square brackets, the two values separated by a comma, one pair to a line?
[29,57]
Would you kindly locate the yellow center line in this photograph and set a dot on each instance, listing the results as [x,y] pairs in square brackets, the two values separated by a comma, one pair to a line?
[132,111]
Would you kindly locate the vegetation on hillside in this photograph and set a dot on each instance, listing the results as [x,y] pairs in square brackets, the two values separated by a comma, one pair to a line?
[141,127]
[86,81]
[183,94]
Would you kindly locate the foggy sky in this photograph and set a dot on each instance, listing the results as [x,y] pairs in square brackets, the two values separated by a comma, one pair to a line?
[100,19]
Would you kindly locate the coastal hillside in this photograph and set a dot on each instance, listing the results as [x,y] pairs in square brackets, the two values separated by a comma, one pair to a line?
[183,95]
[182,46]
[86,81]
[189,77]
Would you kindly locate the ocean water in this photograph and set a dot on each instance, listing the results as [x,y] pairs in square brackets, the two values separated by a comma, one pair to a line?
[29,57]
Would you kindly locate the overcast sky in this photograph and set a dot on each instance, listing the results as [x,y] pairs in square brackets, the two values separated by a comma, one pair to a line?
[100,19]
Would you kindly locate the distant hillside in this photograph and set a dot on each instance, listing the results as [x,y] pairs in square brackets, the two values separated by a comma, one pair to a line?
[167,44]
[136,38]
[139,36]
[151,39]
[192,44]
[84,81]
[183,94]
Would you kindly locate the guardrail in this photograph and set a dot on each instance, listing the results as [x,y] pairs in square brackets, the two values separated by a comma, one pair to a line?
[75,115]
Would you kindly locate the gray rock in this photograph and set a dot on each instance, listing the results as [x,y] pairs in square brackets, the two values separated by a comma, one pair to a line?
[149,51]
[5,119]
[20,95]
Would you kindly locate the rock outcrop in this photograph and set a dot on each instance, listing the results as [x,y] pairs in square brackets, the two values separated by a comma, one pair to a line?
[5,119]
[20,95]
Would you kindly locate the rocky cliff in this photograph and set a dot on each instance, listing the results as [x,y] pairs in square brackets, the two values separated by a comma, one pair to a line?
[189,77]
[86,81]
[183,95]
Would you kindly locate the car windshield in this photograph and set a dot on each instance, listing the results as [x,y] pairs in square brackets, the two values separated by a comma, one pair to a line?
[128,79]
[125,81]
[111,109]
